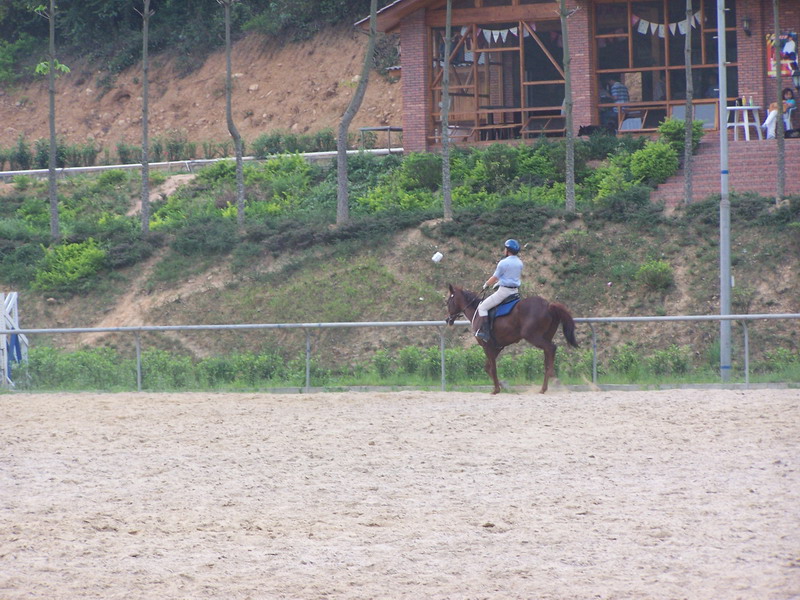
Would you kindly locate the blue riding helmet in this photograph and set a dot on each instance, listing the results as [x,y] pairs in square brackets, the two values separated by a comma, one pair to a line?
[512,245]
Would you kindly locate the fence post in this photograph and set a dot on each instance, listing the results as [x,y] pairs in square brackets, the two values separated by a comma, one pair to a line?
[138,361]
[746,354]
[308,361]
[594,354]
[441,350]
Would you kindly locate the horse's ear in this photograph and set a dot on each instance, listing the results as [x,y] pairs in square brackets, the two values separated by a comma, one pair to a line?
[450,285]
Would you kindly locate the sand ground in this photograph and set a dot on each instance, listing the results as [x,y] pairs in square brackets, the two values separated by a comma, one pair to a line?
[574,495]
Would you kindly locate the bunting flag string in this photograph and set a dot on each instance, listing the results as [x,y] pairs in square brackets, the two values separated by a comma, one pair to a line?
[646,27]
[493,35]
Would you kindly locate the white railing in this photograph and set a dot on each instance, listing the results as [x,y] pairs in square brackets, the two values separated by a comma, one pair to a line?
[308,327]
[187,165]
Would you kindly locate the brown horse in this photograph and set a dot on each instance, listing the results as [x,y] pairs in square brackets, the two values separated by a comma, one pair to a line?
[534,319]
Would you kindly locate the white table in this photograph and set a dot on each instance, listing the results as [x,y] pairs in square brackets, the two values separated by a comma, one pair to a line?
[745,117]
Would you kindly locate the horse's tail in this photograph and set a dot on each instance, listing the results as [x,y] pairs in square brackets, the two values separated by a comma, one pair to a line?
[560,312]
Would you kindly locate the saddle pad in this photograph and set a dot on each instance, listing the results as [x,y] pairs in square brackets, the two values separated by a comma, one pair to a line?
[505,308]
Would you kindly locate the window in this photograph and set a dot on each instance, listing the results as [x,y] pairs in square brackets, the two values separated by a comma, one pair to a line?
[641,43]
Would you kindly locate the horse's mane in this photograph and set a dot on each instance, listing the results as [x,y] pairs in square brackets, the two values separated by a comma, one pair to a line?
[470,297]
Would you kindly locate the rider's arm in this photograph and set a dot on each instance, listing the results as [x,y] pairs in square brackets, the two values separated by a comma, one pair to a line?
[490,282]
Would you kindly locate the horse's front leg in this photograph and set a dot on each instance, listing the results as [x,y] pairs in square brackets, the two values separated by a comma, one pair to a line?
[491,368]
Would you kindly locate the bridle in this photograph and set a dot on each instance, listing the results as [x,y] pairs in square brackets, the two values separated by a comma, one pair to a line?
[451,318]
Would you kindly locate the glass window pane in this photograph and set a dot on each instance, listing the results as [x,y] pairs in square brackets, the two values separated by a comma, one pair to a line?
[612,53]
[611,18]
[676,44]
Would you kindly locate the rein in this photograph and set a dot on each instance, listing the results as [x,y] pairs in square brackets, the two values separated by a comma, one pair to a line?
[476,300]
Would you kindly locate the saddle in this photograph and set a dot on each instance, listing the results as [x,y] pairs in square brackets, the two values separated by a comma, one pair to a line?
[502,309]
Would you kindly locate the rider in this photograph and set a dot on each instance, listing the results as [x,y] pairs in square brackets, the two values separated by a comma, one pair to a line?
[507,275]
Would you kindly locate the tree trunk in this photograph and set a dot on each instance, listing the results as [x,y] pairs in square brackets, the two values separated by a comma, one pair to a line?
[570,199]
[447,193]
[237,139]
[688,123]
[343,201]
[779,133]
[55,234]
[145,118]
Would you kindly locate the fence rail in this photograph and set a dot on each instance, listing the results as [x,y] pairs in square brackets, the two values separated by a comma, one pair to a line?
[187,164]
[441,325]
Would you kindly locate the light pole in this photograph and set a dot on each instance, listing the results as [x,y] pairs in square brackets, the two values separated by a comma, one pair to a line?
[724,203]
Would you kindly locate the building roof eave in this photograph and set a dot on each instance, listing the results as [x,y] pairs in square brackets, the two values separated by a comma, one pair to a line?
[390,16]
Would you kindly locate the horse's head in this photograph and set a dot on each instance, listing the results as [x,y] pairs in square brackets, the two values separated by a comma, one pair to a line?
[455,303]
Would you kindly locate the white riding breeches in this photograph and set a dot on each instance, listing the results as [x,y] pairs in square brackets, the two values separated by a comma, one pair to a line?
[501,294]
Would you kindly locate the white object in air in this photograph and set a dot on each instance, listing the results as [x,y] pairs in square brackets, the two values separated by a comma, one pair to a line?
[437,257]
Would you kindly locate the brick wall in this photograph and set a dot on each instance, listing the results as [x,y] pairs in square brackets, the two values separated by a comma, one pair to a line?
[584,94]
[416,58]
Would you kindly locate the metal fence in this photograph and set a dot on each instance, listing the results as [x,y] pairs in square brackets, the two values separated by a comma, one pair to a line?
[186,165]
[440,325]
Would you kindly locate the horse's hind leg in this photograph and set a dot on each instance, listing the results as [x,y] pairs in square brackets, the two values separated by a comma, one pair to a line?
[549,349]
[549,364]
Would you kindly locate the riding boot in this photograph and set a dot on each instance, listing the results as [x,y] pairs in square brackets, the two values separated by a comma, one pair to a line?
[483,329]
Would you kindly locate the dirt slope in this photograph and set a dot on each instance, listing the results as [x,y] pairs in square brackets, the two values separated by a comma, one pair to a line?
[302,87]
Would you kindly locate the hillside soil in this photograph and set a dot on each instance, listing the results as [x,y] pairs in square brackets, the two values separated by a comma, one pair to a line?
[297,87]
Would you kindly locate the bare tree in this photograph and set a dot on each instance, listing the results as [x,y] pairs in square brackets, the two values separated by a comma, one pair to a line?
[146,13]
[50,68]
[570,200]
[237,138]
[343,202]
[779,133]
[447,193]
[688,123]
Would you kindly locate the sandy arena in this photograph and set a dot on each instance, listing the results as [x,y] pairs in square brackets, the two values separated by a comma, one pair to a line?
[422,495]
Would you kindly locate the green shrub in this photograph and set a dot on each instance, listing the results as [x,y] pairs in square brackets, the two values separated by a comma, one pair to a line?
[600,144]
[178,147]
[655,163]
[672,131]
[19,265]
[41,158]
[674,360]
[656,275]
[392,197]
[20,155]
[421,171]
[205,235]
[383,363]
[779,360]
[166,371]
[628,203]
[128,154]
[111,179]
[67,267]
[410,360]
[535,166]
[267,144]
[222,171]
[626,360]
[610,180]
[86,369]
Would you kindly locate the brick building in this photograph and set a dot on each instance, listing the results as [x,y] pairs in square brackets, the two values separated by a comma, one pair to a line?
[506,63]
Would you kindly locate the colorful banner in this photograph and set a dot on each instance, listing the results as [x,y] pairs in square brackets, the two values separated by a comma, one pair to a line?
[787,43]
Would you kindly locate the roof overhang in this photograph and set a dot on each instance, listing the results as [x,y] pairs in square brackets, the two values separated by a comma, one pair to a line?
[390,16]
